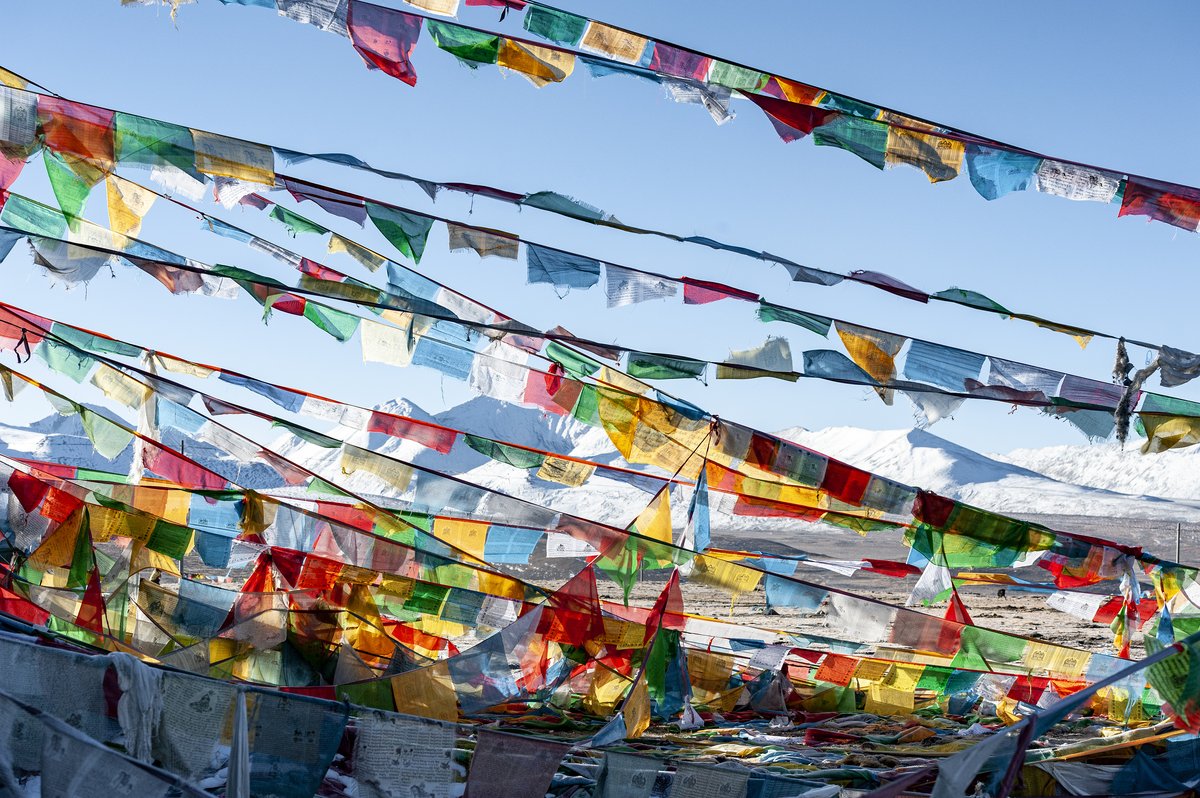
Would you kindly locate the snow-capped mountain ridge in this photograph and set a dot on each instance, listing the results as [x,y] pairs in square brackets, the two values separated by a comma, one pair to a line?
[1100,480]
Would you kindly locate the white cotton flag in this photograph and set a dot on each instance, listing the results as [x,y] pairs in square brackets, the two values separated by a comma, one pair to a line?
[1077,183]
[447,8]
[714,98]
[328,15]
[935,580]
[499,371]
[774,355]
[559,544]
[1078,605]
[382,343]
[176,181]
[627,287]
[18,117]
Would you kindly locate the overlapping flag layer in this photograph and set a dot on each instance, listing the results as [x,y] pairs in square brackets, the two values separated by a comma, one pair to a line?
[262,590]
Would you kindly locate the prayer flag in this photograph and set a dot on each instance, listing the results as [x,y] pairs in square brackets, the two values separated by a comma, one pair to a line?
[385,38]
[470,47]
[406,231]
[539,65]
[554,25]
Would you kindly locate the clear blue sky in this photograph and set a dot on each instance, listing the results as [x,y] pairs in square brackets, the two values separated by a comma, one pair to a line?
[1068,78]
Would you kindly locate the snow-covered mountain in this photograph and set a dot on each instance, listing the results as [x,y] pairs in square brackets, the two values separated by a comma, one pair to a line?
[1098,481]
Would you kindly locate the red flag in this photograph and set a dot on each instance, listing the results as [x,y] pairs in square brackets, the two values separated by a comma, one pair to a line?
[385,38]
[791,120]
[91,612]
[701,292]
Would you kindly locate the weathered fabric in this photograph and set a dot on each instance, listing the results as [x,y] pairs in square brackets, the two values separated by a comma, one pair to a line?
[628,287]
[385,39]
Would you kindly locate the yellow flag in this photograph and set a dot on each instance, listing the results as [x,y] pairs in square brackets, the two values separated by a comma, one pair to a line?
[448,8]
[874,352]
[939,158]
[637,711]
[540,65]
[565,472]
[606,691]
[426,692]
[730,577]
[885,700]
[222,156]
[120,387]
[128,203]
[655,520]
[361,254]
[614,43]
[468,536]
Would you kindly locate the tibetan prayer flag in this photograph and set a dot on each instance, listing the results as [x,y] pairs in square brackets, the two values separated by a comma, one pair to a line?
[614,43]
[827,364]
[512,766]
[655,520]
[440,439]
[470,47]
[71,182]
[510,545]
[1082,390]
[128,203]
[1078,183]
[972,299]
[628,287]
[995,173]
[668,60]
[939,158]
[556,26]
[736,77]
[714,98]
[889,284]
[452,360]
[772,359]
[327,15]
[483,243]
[400,755]
[1022,377]
[385,38]
[504,453]
[71,128]
[866,138]
[383,343]
[18,120]
[701,292]
[406,231]
[1167,419]
[331,201]
[447,8]
[561,269]
[221,156]
[791,120]
[10,170]
[941,365]
[339,324]
[1175,205]
[294,222]
[1177,367]
[565,472]
[792,91]
[874,351]
[646,366]
[368,259]
[539,65]
[576,364]
[768,312]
